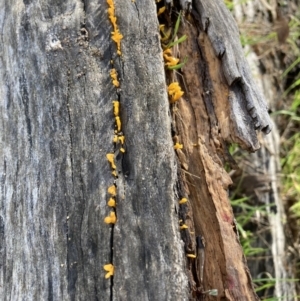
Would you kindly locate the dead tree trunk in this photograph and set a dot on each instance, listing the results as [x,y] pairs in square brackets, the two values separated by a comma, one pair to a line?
[89,176]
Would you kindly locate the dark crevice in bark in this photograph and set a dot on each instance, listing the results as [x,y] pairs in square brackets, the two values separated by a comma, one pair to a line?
[25,100]
[112,261]
[82,214]
[116,63]
[185,211]
[71,280]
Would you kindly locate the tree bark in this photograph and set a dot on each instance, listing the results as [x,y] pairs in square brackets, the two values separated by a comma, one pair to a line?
[59,123]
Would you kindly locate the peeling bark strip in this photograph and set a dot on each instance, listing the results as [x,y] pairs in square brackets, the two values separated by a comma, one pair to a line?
[248,110]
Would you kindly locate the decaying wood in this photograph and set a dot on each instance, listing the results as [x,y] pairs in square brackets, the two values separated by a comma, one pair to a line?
[248,110]
[147,248]
[204,124]
[57,126]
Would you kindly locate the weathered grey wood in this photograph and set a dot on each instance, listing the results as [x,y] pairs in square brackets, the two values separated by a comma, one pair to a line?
[249,111]
[148,266]
[55,132]
[57,126]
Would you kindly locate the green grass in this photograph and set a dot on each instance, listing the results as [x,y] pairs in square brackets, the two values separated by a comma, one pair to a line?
[288,120]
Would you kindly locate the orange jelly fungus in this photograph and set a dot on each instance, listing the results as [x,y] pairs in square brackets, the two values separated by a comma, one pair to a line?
[110,269]
[191,255]
[118,123]
[111,160]
[175,91]
[116,107]
[170,60]
[184,226]
[182,201]
[178,146]
[111,219]
[111,202]
[115,35]
[113,75]
[112,190]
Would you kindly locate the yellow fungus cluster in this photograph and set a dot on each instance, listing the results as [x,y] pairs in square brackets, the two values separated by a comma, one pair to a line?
[184,226]
[174,90]
[182,201]
[111,202]
[111,160]
[166,34]
[117,138]
[178,146]
[112,190]
[114,77]
[115,35]
[171,62]
[116,105]
[169,59]
[110,269]
[161,10]
[118,123]
[121,139]
[111,219]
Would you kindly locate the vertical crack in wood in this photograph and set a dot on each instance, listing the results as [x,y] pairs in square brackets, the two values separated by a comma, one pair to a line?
[118,157]
[118,146]
[70,127]
[150,266]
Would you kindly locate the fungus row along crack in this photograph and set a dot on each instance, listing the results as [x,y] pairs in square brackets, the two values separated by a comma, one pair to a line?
[116,36]
[194,244]
[173,64]
[119,138]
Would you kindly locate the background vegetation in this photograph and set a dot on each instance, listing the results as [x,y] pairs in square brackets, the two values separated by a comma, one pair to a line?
[250,212]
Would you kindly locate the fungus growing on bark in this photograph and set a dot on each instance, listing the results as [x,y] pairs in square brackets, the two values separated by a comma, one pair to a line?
[175,91]
[114,76]
[110,269]
[112,190]
[182,201]
[116,35]
[178,146]
[111,160]
[111,202]
[111,219]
